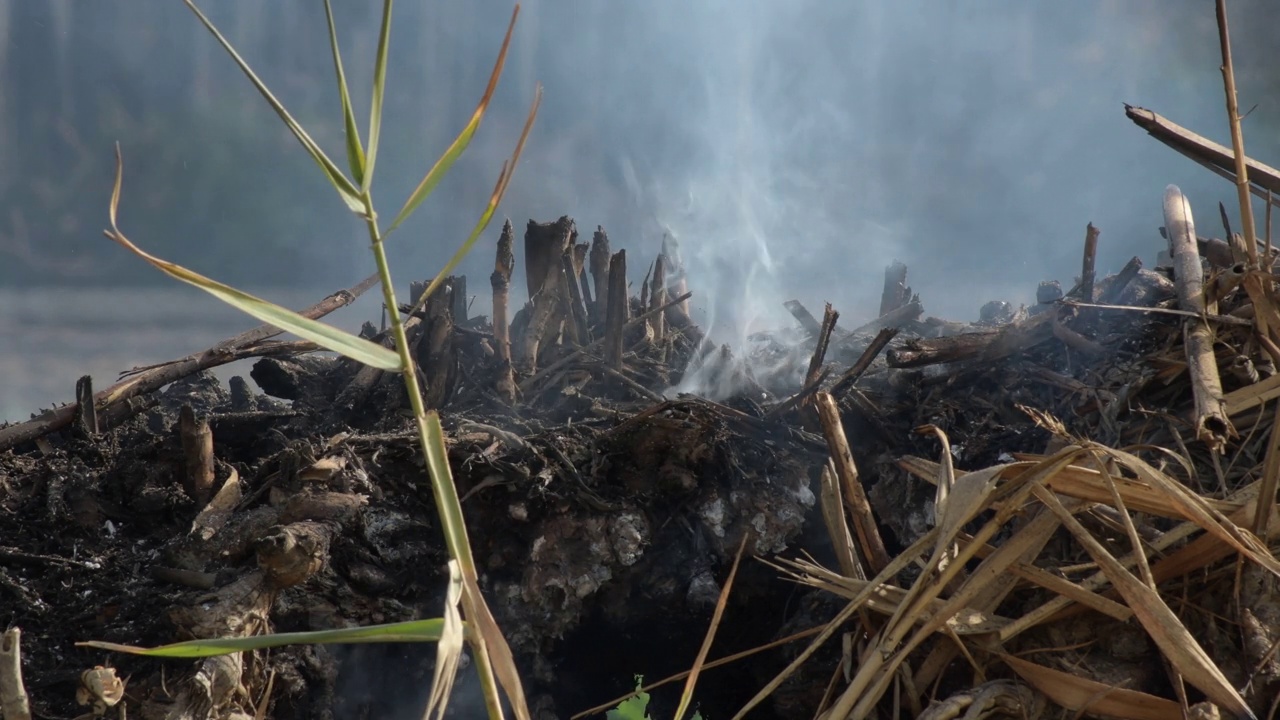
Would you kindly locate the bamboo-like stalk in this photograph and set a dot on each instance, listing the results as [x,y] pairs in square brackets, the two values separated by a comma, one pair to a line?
[864,522]
[1256,283]
[443,490]
[1237,136]
[1211,421]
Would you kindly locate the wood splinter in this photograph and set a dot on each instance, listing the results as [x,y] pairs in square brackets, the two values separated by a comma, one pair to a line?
[598,260]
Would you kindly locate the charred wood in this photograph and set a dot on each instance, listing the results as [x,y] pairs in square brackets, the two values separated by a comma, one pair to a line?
[86,411]
[658,298]
[898,317]
[461,302]
[573,298]
[829,317]
[677,280]
[1085,289]
[1219,158]
[869,355]
[1114,287]
[434,349]
[598,258]
[895,293]
[804,317]
[619,309]
[992,345]
[292,378]
[545,245]
[583,279]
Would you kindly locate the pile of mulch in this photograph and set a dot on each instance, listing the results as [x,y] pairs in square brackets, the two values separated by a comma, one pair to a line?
[605,507]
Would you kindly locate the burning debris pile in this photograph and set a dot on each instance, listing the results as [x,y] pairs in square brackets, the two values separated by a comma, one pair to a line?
[962,504]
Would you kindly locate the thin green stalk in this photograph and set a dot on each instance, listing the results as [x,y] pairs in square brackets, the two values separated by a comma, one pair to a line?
[446,495]
[488,638]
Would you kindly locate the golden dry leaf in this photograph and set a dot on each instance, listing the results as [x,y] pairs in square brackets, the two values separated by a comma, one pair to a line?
[1162,625]
[1081,694]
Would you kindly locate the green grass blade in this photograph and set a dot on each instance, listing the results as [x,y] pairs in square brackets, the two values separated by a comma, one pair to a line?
[379,90]
[488,639]
[348,191]
[500,189]
[326,336]
[437,456]
[415,631]
[355,154]
[460,143]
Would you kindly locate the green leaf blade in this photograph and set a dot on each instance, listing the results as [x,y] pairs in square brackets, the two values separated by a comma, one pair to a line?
[324,335]
[355,154]
[379,91]
[415,631]
[460,143]
[500,189]
[346,189]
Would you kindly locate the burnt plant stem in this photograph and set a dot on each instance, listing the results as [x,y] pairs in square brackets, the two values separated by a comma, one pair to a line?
[1087,266]
[504,265]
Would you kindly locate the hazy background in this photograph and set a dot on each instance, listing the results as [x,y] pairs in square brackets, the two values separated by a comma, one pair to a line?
[794,146]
